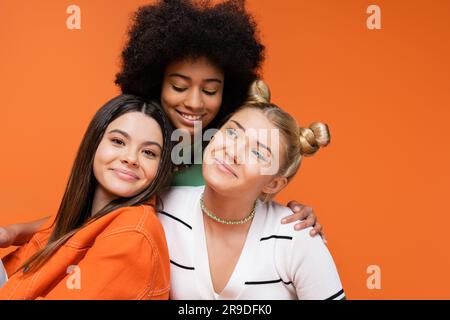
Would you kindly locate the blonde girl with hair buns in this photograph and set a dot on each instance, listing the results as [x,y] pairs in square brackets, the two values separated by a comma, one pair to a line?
[225,239]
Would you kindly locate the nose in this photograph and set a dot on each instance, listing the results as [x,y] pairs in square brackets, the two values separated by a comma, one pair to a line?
[194,100]
[130,159]
[235,152]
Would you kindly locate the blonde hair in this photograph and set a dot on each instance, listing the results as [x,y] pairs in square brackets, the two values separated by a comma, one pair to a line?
[300,142]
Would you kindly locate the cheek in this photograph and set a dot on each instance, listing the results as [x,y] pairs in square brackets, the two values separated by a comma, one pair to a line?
[103,157]
[169,102]
[150,169]
[214,104]
[254,176]
[105,154]
[252,172]
[169,99]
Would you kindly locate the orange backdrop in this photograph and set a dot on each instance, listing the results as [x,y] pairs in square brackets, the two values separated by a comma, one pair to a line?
[381,188]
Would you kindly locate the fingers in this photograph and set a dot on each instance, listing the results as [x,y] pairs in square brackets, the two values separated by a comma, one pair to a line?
[300,212]
[295,206]
[306,217]
[300,226]
[311,219]
[293,217]
[317,229]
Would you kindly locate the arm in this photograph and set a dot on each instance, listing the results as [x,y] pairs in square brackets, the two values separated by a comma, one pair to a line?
[20,233]
[306,217]
[121,265]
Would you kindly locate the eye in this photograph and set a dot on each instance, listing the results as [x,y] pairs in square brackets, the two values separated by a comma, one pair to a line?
[118,142]
[178,89]
[149,153]
[231,132]
[209,93]
[259,155]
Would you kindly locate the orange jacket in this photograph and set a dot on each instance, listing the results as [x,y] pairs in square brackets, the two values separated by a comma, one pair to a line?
[122,255]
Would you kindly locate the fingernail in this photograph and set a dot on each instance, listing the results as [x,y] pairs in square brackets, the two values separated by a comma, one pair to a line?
[297,208]
[283,221]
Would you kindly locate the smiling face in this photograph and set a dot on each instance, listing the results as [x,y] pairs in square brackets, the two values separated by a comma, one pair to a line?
[192,91]
[239,158]
[128,156]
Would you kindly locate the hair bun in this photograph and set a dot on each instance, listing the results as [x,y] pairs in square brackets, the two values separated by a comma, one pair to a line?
[259,92]
[314,137]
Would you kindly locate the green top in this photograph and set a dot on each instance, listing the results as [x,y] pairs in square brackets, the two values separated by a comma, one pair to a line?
[190,176]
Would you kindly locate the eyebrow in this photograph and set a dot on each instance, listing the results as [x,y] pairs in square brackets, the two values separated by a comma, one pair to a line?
[126,135]
[189,79]
[259,143]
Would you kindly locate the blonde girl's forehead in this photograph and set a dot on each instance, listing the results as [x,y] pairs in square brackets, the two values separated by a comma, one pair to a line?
[251,118]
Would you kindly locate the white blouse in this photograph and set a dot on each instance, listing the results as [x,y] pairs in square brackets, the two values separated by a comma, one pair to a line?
[276,261]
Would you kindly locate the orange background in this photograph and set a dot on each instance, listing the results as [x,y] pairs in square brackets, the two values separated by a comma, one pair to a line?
[382,186]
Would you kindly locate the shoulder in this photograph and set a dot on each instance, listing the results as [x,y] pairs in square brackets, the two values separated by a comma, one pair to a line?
[132,232]
[181,192]
[127,224]
[138,219]
[178,200]
[304,260]
[300,238]
[178,207]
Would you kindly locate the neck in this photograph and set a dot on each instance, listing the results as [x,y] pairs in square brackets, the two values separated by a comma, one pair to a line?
[101,199]
[227,208]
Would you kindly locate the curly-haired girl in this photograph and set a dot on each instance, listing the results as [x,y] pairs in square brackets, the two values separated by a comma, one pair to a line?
[165,35]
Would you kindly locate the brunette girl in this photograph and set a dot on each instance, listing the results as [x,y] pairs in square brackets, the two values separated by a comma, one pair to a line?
[105,242]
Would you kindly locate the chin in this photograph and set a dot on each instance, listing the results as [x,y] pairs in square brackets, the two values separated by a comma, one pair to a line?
[218,182]
[188,129]
[123,192]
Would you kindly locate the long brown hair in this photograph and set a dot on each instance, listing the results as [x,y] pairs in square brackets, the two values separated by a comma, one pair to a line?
[75,209]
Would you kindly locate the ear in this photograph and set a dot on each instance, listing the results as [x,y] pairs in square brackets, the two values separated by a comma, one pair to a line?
[275,186]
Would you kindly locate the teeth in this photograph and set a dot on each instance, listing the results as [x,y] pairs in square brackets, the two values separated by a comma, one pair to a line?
[190,117]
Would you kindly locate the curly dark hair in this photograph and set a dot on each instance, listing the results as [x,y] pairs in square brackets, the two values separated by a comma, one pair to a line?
[172,30]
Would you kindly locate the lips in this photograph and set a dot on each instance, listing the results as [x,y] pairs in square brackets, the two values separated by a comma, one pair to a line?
[126,174]
[225,167]
[189,116]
